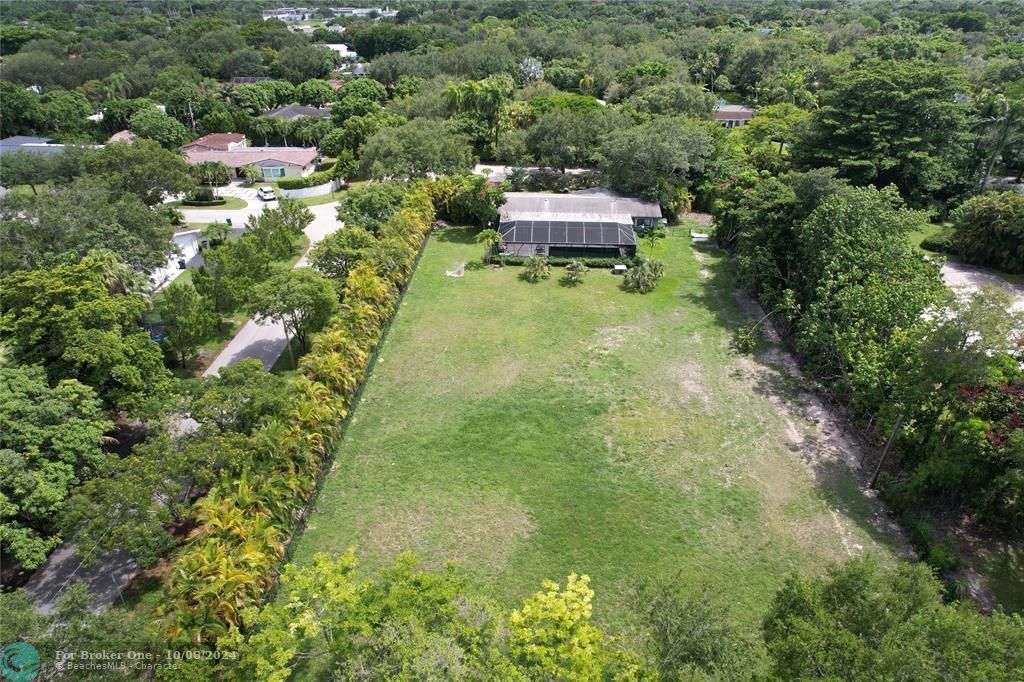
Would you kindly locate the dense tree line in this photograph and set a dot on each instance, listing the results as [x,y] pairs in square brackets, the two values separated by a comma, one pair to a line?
[873,119]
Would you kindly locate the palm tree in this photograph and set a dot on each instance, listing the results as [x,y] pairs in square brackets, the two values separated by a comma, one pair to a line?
[250,173]
[1001,119]
[116,86]
[305,131]
[490,239]
[118,277]
[284,127]
[791,88]
[216,233]
[705,67]
[575,271]
[265,127]
[537,268]
[587,84]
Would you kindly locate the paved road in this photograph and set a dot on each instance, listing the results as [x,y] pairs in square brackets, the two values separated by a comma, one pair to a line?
[105,578]
[961,275]
[113,570]
[265,342]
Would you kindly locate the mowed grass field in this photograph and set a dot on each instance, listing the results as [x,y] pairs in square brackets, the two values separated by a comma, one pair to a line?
[528,431]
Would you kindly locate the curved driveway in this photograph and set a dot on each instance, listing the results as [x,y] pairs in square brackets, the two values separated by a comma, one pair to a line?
[266,341]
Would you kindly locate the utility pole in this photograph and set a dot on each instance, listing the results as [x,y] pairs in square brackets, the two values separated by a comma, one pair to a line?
[885,452]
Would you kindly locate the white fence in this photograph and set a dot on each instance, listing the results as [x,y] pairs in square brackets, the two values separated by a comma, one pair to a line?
[315,191]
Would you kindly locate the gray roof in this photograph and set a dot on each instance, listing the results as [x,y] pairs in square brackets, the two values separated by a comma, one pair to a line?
[294,111]
[601,206]
[25,143]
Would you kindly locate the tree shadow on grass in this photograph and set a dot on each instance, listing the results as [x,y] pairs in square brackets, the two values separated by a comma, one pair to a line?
[831,452]
[456,235]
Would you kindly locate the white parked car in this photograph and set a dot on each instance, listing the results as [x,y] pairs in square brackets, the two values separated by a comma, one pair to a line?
[266,194]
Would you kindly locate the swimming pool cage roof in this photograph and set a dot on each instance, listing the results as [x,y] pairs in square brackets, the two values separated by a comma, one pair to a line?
[567,232]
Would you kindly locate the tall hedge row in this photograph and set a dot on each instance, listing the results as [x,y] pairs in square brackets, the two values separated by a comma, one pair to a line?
[245,522]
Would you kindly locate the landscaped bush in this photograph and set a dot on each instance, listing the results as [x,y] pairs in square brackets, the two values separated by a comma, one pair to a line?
[606,263]
[989,230]
[938,243]
[537,268]
[246,520]
[644,277]
[203,197]
[311,180]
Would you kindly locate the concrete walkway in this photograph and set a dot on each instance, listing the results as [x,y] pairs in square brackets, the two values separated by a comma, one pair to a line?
[105,578]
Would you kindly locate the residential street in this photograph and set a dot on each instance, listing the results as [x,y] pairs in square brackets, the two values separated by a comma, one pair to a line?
[113,570]
[266,342]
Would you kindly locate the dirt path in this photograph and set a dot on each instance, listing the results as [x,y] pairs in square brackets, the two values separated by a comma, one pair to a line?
[830,441]
[834,440]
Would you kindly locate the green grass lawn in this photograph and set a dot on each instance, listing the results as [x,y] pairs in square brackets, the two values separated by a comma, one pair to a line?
[318,201]
[528,431]
[927,230]
[230,204]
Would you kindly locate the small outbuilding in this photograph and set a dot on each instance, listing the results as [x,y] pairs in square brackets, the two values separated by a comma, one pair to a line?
[733,115]
[594,223]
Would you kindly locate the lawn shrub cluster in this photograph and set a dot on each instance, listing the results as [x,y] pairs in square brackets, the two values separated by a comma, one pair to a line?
[244,522]
[311,180]
[938,243]
[988,229]
[203,196]
[606,263]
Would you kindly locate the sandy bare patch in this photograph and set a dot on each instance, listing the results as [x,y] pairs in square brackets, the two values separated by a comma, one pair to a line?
[688,378]
[609,339]
[702,260]
[818,434]
[482,533]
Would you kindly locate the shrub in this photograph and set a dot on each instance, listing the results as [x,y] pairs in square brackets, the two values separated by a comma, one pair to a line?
[537,268]
[311,180]
[605,263]
[203,197]
[574,272]
[644,277]
[938,243]
[989,230]
[294,450]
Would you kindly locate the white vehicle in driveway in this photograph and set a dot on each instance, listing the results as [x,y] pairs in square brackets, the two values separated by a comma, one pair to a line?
[266,194]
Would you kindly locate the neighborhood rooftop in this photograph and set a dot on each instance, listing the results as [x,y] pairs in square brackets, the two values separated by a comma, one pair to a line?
[218,141]
[603,206]
[34,145]
[244,156]
[294,111]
